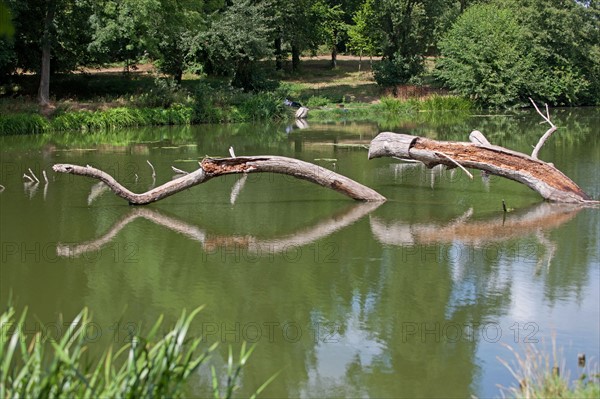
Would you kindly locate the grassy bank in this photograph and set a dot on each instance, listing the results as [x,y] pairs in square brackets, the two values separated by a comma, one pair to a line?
[105,101]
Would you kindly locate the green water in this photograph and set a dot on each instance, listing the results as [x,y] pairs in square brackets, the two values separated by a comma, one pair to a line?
[411,298]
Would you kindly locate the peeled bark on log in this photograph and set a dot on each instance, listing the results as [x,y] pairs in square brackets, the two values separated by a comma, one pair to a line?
[215,167]
[538,175]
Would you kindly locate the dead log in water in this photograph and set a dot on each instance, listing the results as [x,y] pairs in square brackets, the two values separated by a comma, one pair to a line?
[540,176]
[215,167]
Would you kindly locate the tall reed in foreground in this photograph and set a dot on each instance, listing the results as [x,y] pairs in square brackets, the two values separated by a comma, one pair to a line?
[148,367]
[544,375]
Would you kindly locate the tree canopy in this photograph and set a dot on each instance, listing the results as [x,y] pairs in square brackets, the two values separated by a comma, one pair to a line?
[504,51]
[498,52]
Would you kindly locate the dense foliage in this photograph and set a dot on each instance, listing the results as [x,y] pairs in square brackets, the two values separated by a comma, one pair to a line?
[497,52]
[503,52]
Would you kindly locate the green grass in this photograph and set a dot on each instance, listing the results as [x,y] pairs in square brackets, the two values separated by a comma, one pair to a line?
[151,367]
[85,121]
[541,375]
[100,101]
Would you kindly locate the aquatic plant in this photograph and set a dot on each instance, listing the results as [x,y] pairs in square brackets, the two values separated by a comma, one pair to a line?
[543,375]
[143,368]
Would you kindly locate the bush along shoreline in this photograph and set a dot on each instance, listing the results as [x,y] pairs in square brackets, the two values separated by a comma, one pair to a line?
[253,107]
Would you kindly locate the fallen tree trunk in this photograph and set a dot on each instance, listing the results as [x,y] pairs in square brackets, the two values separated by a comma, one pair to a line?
[540,176]
[215,167]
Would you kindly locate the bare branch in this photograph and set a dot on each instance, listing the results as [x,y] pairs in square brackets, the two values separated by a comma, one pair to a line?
[546,135]
[153,171]
[456,163]
[34,176]
[179,171]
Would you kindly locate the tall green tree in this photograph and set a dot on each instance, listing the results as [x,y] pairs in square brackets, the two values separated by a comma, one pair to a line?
[6,25]
[505,51]
[332,26]
[566,38]
[50,36]
[7,31]
[177,22]
[237,38]
[407,32]
[121,30]
[364,37]
[296,28]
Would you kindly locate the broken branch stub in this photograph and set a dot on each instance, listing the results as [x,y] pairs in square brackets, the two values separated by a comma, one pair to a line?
[540,176]
[214,167]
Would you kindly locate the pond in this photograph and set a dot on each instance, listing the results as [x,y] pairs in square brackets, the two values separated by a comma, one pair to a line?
[416,297]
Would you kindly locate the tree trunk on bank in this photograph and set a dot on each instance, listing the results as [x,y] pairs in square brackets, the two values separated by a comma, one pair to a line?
[215,167]
[540,176]
[334,57]
[44,88]
[295,58]
[278,54]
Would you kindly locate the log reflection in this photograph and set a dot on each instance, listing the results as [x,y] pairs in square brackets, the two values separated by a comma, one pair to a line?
[209,242]
[541,217]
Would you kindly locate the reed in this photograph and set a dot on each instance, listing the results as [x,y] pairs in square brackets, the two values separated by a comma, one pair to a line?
[540,374]
[150,367]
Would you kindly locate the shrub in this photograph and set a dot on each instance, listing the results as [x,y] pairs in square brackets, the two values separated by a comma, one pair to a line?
[397,71]
[317,101]
[502,52]
[261,106]
[486,56]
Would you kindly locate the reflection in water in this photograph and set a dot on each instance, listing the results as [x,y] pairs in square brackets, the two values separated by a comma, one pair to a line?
[394,313]
[536,220]
[540,217]
[211,242]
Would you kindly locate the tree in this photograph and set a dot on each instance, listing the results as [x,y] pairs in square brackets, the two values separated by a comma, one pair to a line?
[503,52]
[7,31]
[296,28]
[407,32]
[237,38]
[6,25]
[177,22]
[121,30]
[331,26]
[486,56]
[50,36]
[363,35]
[566,37]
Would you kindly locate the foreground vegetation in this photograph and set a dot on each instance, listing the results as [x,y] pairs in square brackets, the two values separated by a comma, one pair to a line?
[542,375]
[149,367]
